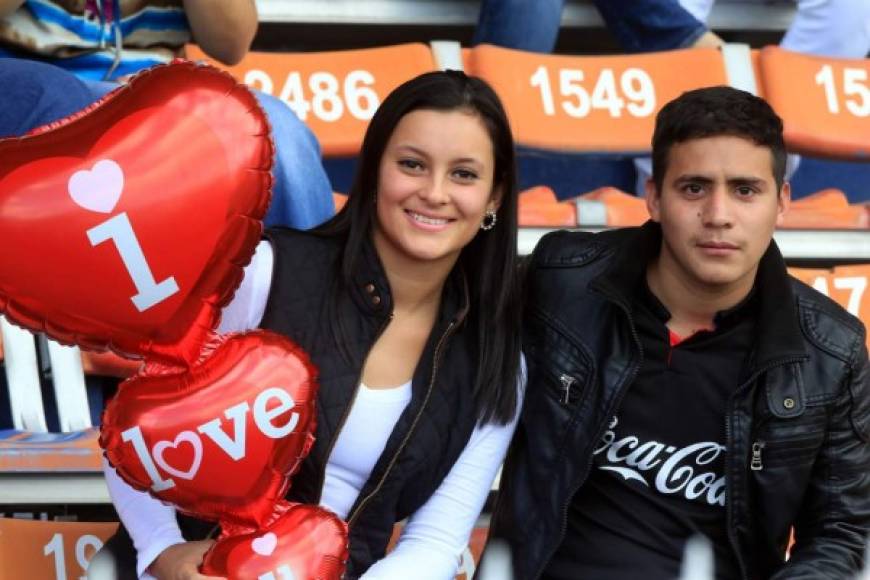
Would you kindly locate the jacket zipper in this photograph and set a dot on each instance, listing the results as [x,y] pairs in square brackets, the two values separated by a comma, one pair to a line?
[347,410]
[729,446]
[598,435]
[436,359]
[757,448]
[567,381]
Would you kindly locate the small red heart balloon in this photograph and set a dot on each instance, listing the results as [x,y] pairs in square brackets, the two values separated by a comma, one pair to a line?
[305,542]
[221,439]
[127,225]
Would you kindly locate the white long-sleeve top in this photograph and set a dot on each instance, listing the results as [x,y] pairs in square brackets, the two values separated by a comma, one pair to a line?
[433,538]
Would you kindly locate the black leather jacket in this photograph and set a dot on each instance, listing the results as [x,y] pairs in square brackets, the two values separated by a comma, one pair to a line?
[807,402]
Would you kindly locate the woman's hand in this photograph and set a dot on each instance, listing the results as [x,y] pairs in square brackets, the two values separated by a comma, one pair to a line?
[181,562]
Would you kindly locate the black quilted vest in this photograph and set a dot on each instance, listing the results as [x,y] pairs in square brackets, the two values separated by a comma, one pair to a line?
[433,429]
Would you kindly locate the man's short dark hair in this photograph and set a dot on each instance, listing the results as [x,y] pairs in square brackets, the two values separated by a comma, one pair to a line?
[715,111]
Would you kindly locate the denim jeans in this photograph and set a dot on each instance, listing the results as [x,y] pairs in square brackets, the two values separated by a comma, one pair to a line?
[638,25]
[36,93]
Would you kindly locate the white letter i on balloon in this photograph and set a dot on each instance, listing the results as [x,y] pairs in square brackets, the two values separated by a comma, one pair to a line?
[99,190]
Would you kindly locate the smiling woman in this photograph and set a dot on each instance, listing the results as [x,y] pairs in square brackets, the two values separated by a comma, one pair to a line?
[407,302]
[436,185]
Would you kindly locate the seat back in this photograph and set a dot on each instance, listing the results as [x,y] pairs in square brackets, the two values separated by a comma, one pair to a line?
[29,448]
[846,285]
[49,550]
[824,102]
[591,103]
[22,376]
[335,93]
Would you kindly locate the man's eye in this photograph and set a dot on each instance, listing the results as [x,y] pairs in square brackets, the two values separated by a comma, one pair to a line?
[745,191]
[693,188]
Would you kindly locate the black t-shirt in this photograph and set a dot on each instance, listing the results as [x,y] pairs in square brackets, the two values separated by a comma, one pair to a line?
[658,473]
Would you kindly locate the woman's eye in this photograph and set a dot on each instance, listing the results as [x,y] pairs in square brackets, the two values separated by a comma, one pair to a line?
[465,174]
[412,164]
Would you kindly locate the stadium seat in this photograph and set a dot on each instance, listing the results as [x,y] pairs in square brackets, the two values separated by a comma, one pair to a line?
[824,102]
[847,285]
[37,466]
[594,104]
[335,93]
[48,550]
[609,206]
[538,207]
[828,208]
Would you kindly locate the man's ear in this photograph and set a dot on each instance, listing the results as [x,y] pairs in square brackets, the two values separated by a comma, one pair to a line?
[784,202]
[653,199]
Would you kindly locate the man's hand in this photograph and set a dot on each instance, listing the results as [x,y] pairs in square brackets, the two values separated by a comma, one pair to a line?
[181,562]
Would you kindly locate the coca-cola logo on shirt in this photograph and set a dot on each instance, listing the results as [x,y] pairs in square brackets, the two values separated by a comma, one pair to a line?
[668,469]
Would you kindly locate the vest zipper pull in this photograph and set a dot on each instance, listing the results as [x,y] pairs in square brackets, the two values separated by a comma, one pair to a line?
[756,464]
[567,381]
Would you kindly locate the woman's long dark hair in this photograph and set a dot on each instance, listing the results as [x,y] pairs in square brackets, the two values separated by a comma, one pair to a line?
[490,258]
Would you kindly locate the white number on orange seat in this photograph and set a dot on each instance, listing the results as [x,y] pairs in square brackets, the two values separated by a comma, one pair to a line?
[55,547]
[855,284]
[326,104]
[294,96]
[362,100]
[635,86]
[358,96]
[87,543]
[856,92]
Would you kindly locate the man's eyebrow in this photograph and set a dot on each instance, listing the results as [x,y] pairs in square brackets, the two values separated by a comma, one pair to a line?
[693,178]
[740,180]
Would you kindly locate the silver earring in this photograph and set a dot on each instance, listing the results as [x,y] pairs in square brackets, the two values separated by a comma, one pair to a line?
[489,220]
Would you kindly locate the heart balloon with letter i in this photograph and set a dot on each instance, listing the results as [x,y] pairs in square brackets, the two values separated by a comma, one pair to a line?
[126,227]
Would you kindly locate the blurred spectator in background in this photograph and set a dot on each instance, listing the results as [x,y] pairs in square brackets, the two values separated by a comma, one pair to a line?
[639,25]
[102,41]
[108,39]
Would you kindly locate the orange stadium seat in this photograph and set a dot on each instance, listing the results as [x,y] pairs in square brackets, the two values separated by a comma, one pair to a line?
[828,208]
[591,103]
[824,102]
[45,550]
[621,209]
[335,93]
[538,207]
[847,285]
[38,466]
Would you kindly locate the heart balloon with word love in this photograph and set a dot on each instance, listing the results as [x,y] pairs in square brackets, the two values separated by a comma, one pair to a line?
[127,226]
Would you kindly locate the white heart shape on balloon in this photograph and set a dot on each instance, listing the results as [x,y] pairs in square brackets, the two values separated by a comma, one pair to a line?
[98,189]
[265,544]
[184,437]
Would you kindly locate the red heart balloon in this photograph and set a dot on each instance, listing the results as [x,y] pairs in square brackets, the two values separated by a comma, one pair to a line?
[220,440]
[305,543]
[127,225]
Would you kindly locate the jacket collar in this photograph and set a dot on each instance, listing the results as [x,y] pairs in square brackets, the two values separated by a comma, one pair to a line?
[778,327]
[370,288]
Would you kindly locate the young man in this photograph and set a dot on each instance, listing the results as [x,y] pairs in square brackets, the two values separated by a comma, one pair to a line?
[682,383]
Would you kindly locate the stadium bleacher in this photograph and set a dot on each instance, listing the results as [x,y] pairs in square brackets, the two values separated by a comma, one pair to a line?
[593,107]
